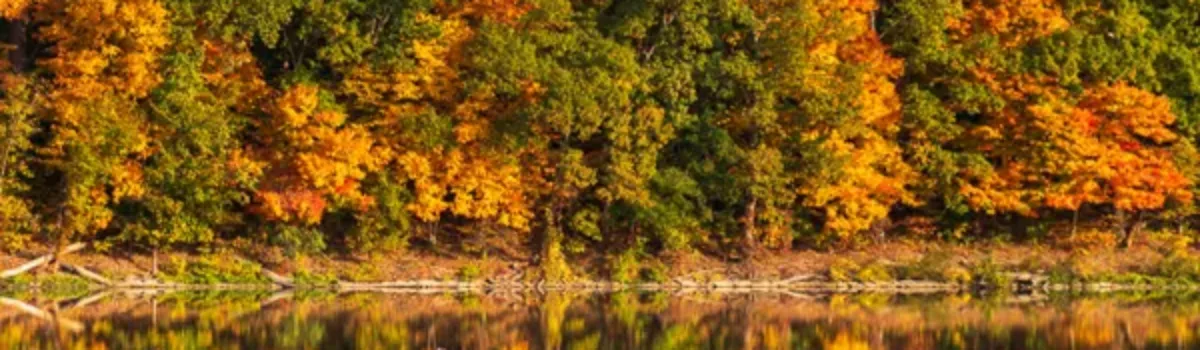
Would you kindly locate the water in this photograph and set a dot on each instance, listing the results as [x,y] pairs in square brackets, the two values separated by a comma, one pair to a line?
[598,321]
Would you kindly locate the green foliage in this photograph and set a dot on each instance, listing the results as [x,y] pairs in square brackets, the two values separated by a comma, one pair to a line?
[52,286]
[573,127]
[936,266]
[874,272]
[1179,267]
[991,274]
[212,269]
[470,272]
[190,185]
[654,272]
[624,267]
[297,240]
[308,278]
[843,270]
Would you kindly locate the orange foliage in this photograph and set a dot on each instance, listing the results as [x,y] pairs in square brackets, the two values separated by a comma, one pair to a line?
[468,180]
[103,46]
[104,57]
[1012,22]
[502,11]
[231,72]
[13,8]
[870,174]
[310,156]
[1123,158]
[467,186]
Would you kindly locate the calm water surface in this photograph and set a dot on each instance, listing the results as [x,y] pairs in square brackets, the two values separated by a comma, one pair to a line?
[597,321]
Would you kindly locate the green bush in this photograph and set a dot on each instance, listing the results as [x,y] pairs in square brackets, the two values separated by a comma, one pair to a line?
[936,266]
[1179,267]
[308,278]
[624,267]
[874,272]
[842,270]
[470,272]
[990,273]
[213,269]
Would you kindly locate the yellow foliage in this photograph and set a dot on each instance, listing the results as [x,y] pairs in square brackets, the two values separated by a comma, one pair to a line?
[1088,240]
[1013,22]
[13,8]
[103,46]
[310,156]
[869,174]
[466,186]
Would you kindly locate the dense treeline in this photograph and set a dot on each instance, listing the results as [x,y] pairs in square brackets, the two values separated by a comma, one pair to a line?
[603,125]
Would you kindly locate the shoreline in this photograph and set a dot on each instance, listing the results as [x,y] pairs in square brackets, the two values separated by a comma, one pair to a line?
[1019,284]
[897,267]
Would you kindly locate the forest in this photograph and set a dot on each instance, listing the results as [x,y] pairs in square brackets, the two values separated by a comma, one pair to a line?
[568,127]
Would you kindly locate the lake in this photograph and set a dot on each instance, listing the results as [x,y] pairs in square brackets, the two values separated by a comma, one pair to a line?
[627,320]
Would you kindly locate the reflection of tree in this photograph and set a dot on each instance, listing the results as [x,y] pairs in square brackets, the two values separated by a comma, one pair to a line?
[590,321]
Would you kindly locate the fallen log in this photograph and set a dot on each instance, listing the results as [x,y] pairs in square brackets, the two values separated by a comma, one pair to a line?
[88,300]
[276,297]
[83,272]
[42,260]
[34,311]
[278,279]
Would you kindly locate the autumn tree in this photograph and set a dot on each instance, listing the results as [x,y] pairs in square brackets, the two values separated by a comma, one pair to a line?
[103,62]
[1124,157]
[16,116]
[310,161]
[192,188]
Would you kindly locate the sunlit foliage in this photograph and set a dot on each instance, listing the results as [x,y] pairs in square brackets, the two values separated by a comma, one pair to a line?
[566,127]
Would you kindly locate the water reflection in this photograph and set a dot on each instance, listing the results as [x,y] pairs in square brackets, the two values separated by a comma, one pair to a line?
[127,320]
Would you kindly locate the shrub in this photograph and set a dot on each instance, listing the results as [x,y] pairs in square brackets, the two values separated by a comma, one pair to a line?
[935,266]
[989,273]
[213,269]
[305,277]
[470,272]
[656,272]
[873,272]
[1180,267]
[1088,240]
[842,270]
[624,267]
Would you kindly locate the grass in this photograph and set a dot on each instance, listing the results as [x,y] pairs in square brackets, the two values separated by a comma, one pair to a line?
[212,270]
[313,279]
[52,286]
[936,266]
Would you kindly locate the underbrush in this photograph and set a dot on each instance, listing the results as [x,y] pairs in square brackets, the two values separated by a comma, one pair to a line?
[212,269]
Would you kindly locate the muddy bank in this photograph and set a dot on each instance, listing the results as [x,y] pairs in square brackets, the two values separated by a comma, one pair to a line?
[896,267]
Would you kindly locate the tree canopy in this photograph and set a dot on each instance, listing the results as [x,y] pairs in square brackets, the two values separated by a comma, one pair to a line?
[726,126]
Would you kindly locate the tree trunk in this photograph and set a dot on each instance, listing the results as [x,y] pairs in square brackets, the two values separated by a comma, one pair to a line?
[1129,226]
[1074,222]
[749,231]
[17,35]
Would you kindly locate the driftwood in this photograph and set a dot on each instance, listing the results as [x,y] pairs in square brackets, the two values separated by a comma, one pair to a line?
[34,311]
[81,271]
[88,300]
[277,279]
[42,260]
[277,297]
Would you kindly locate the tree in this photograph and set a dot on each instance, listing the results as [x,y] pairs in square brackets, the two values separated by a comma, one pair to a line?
[103,63]
[310,161]
[16,127]
[1125,156]
[192,189]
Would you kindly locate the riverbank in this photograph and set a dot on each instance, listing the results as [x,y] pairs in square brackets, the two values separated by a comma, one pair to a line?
[578,319]
[1164,262]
